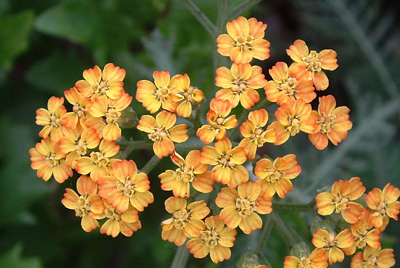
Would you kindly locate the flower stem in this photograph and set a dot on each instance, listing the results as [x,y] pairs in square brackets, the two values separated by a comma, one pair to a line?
[201,17]
[266,231]
[181,257]
[283,230]
[294,207]
[242,7]
[151,164]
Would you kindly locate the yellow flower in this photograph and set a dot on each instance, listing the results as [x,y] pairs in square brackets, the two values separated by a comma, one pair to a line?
[215,239]
[317,259]
[163,132]
[239,207]
[186,221]
[79,106]
[126,222]
[363,237]
[373,258]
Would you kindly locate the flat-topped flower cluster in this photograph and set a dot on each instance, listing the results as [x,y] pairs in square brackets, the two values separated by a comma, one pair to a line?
[85,140]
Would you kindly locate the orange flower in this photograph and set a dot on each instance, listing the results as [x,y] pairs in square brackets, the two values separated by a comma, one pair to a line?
[287,84]
[339,201]
[215,239]
[163,132]
[98,83]
[186,94]
[373,258]
[98,162]
[384,204]
[48,161]
[274,177]
[240,84]
[78,114]
[239,207]
[293,117]
[190,172]
[227,163]
[186,220]
[156,95]
[363,237]
[253,133]
[244,41]
[333,244]
[125,187]
[218,121]
[51,119]
[317,259]
[87,205]
[313,62]
[126,222]
[333,123]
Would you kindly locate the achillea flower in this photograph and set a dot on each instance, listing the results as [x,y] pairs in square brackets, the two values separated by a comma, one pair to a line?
[244,41]
[253,133]
[293,117]
[51,119]
[48,161]
[227,163]
[287,84]
[186,221]
[313,62]
[384,204]
[333,123]
[184,93]
[333,244]
[340,200]
[366,217]
[125,187]
[317,259]
[274,177]
[239,207]
[126,222]
[156,95]
[109,110]
[76,118]
[88,204]
[190,172]
[218,121]
[163,132]
[215,239]
[240,83]
[99,83]
[363,237]
[373,258]
[98,162]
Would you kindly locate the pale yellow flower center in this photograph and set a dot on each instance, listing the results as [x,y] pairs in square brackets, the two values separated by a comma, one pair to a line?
[55,121]
[158,134]
[82,206]
[326,121]
[181,217]
[371,262]
[210,237]
[112,213]
[257,137]
[112,115]
[274,175]
[312,61]
[288,86]
[330,241]
[239,85]
[81,147]
[305,263]
[225,161]
[51,160]
[294,125]
[78,110]
[340,202]
[245,207]
[186,174]
[99,159]
[162,93]
[360,238]
[127,187]
[188,94]
[244,41]
[380,209]
[100,88]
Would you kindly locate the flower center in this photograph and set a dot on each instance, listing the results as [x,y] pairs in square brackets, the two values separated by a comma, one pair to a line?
[158,134]
[126,187]
[245,207]
[239,86]
[78,110]
[312,61]
[83,206]
[371,262]
[112,213]
[112,115]
[330,241]
[51,160]
[210,237]
[274,176]
[81,147]
[304,263]
[340,203]
[361,238]
[257,137]
[54,120]
[244,41]
[162,93]
[225,161]
[181,217]
[185,174]
[99,159]
[287,86]
[188,94]
[100,88]
[294,125]
[326,121]
[380,209]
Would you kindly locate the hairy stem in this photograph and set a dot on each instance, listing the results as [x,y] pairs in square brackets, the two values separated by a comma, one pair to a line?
[201,17]
[181,257]
[294,207]
[151,164]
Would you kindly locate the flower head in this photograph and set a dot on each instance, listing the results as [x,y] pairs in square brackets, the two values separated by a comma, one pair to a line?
[76,118]
[373,258]
[126,222]
[184,93]
[363,237]
[317,259]
[51,119]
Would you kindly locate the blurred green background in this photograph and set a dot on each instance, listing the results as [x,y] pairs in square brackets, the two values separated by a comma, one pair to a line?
[46,44]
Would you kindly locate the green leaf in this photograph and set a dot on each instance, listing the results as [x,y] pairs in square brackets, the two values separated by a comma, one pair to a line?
[13,258]
[14,36]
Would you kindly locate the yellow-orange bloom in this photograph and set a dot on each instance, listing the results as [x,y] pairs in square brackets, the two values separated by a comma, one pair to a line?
[363,237]
[186,221]
[239,207]
[126,222]
[333,244]
[274,177]
[293,117]
[287,84]
[185,94]
[79,106]
[88,204]
[125,187]
[163,132]
[215,239]
[317,259]
[384,204]
[244,41]
[373,258]
[333,123]
[253,133]
[218,121]
[51,119]
[240,83]
[227,163]
[98,83]
[339,201]
[48,161]
[190,172]
[313,62]
[155,95]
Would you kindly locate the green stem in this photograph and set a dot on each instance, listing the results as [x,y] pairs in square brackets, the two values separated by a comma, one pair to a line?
[241,8]
[201,17]
[181,257]
[283,230]
[133,145]
[266,231]
[151,164]
[294,207]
